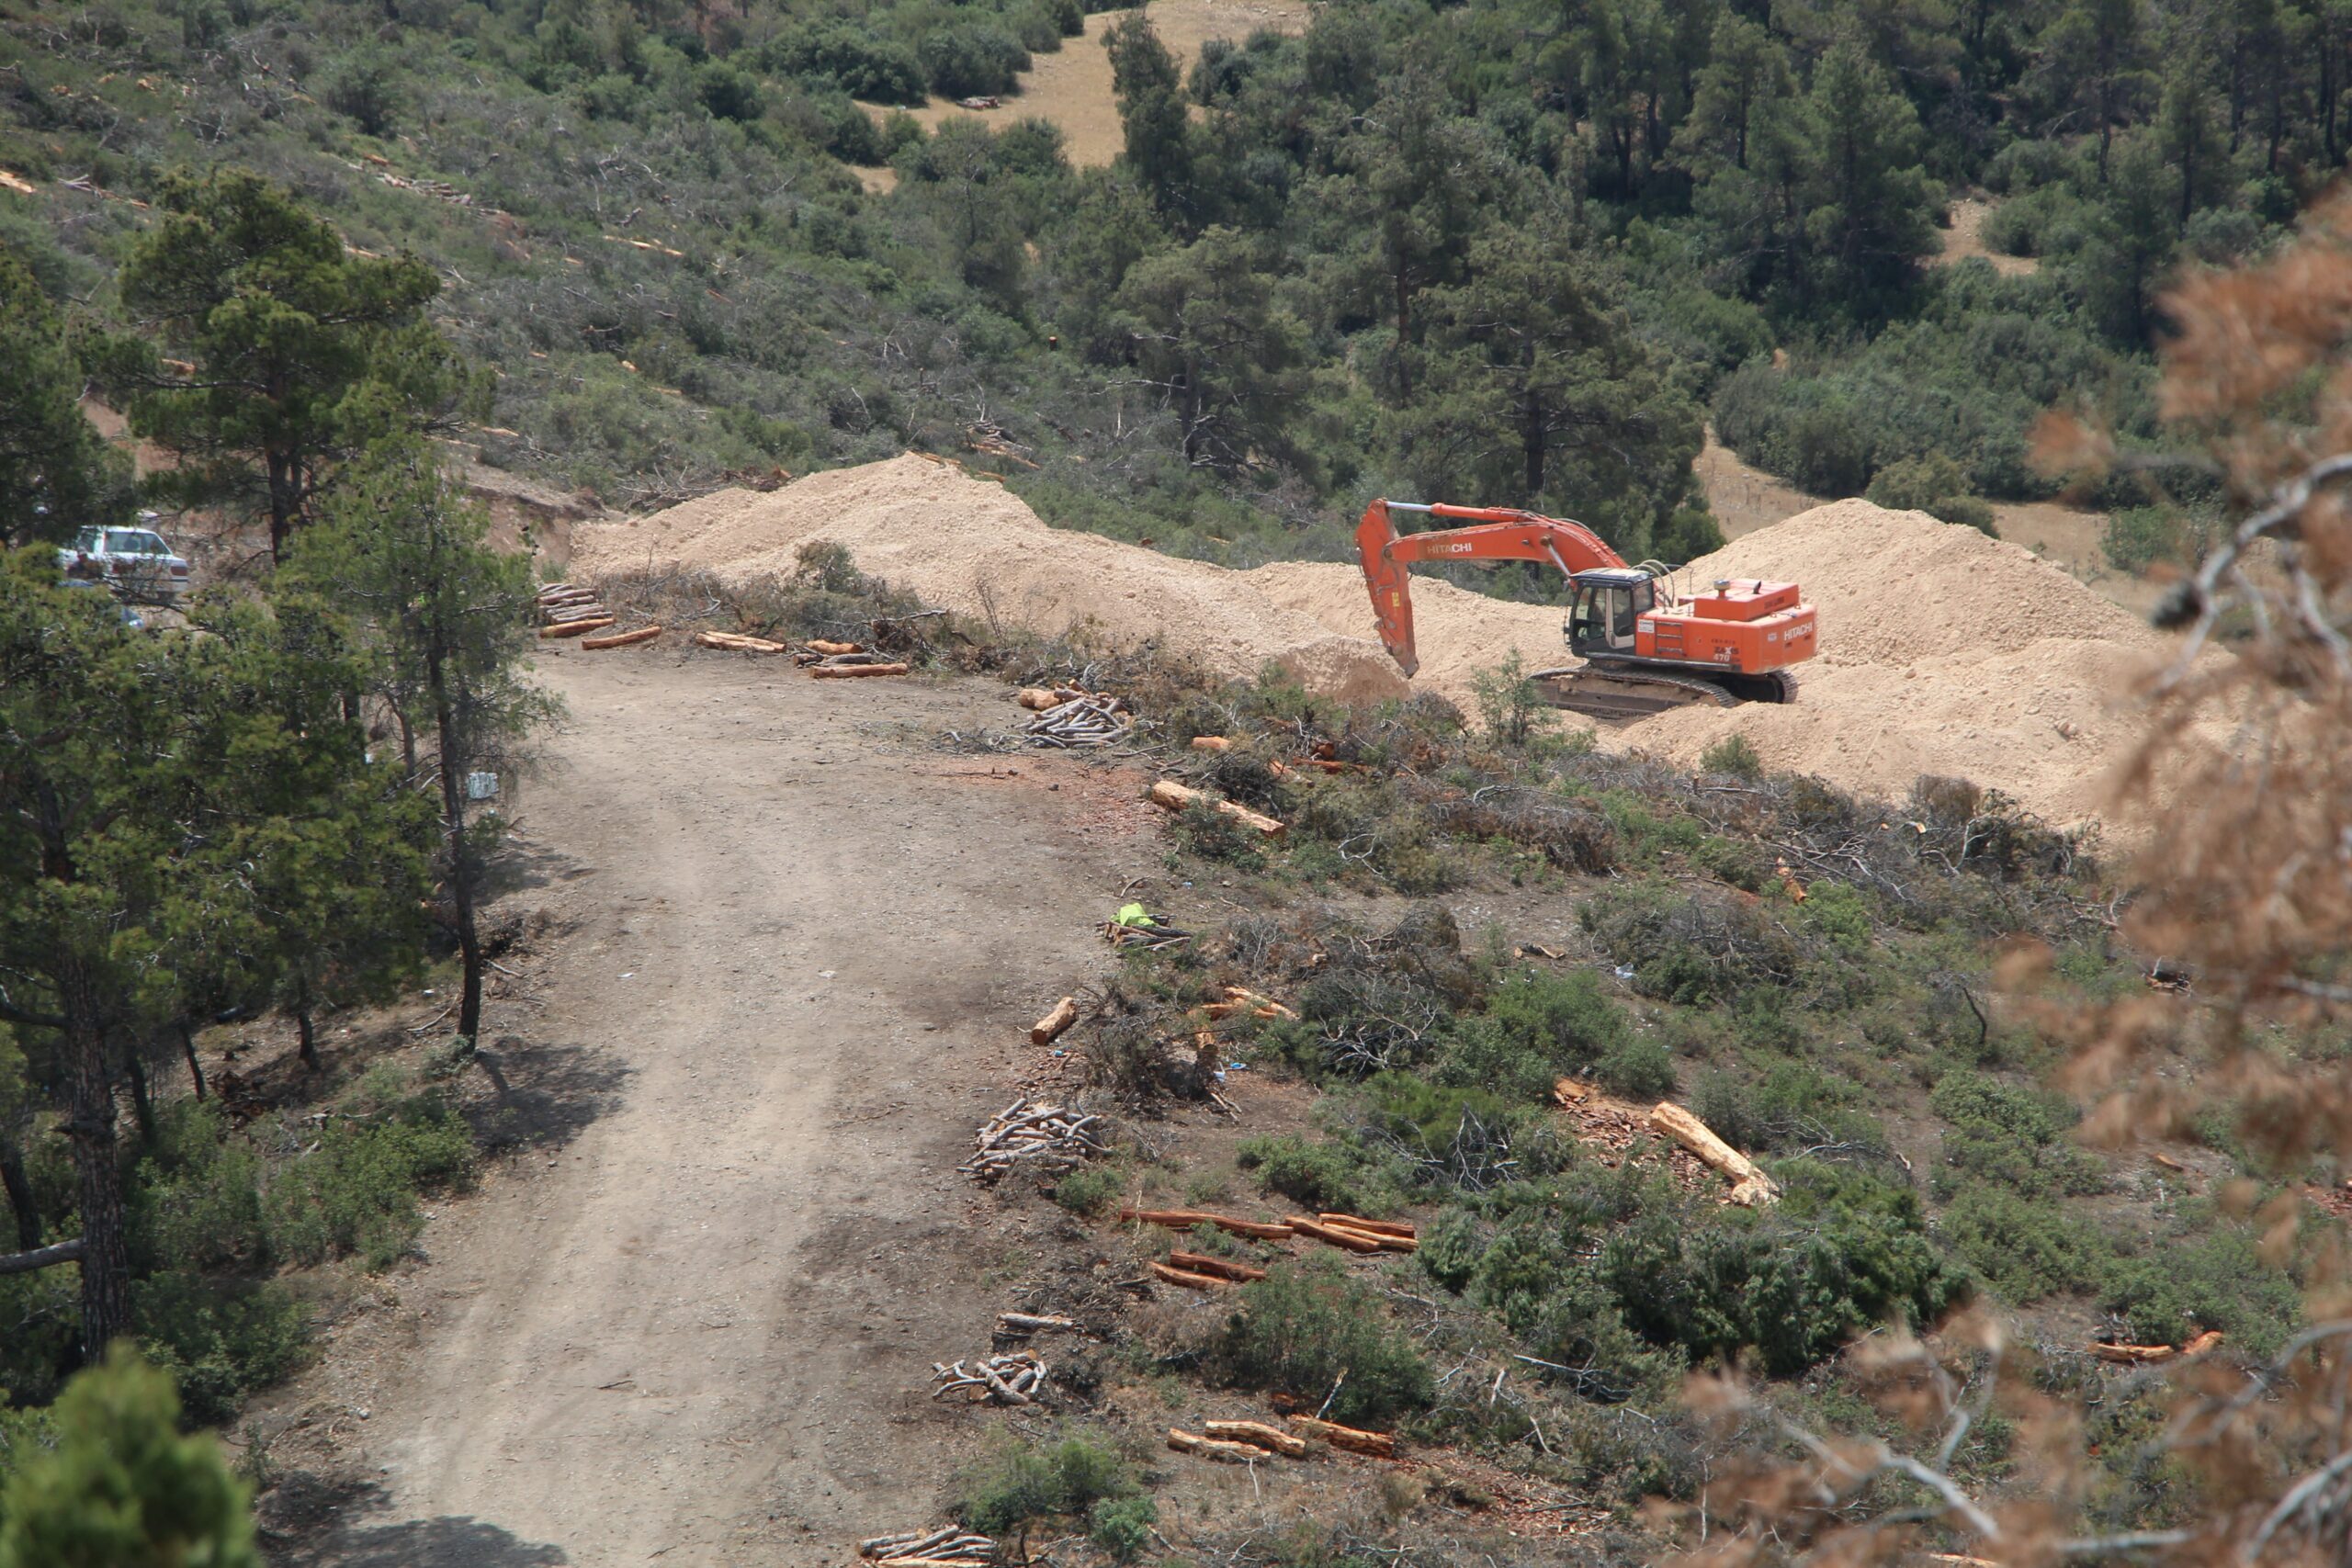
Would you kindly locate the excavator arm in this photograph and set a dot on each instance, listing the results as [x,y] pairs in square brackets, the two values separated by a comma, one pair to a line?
[1496,533]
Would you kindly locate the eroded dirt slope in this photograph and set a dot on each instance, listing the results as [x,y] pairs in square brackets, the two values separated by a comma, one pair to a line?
[792,949]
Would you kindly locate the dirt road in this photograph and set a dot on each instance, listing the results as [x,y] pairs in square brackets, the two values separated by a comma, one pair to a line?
[793,945]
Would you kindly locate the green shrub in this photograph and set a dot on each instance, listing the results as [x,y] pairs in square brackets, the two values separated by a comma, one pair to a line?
[1321,1176]
[1511,710]
[2216,1279]
[1839,913]
[194,1201]
[1933,484]
[358,1192]
[850,58]
[1122,1526]
[1639,1067]
[1458,1135]
[1020,1482]
[967,59]
[1299,1328]
[1793,1105]
[1536,1027]
[1733,755]
[2138,537]
[1086,1190]
[2012,1136]
[222,1340]
[2025,1247]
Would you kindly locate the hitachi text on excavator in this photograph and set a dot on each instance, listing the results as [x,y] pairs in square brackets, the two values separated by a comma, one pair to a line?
[1643,648]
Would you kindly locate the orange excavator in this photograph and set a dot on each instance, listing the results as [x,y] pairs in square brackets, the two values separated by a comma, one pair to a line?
[1645,649]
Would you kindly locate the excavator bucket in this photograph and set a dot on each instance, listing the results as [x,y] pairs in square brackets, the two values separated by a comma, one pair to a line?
[1392,603]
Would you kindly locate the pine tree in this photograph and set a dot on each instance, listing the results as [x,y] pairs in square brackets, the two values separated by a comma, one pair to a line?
[56,475]
[122,1487]
[276,325]
[1205,330]
[447,627]
[1152,114]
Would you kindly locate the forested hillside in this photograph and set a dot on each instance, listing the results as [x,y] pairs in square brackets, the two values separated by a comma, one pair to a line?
[1503,251]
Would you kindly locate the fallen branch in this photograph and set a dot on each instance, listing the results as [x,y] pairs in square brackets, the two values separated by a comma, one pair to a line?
[940,1547]
[1034,1135]
[41,1257]
[1017,1377]
[1750,1187]
[1380,1445]
[622,639]
[735,643]
[2150,1355]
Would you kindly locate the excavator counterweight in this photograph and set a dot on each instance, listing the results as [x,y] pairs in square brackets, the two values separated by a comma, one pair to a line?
[1644,651]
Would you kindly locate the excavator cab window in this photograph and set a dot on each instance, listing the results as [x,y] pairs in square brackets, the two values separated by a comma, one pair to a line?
[1605,616]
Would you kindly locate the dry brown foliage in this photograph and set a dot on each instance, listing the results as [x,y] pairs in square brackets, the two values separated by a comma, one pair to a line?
[2246,883]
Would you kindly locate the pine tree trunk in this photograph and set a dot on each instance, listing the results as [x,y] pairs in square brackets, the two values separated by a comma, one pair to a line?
[20,1195]
[142,1105]
[106,1257]
[194,1068]
[461,874]
[305,1032]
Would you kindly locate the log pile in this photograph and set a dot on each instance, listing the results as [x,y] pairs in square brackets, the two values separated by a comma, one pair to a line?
[1033,1135]
[1246,1442]
[569,610]
[949,1548]
[1016,1377]
[1082,721]
[1169,796]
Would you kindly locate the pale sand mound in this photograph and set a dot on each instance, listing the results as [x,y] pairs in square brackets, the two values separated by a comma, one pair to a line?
[1943,651]
[974,546]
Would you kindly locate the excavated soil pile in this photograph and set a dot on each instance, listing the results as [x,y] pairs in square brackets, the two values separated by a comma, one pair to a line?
[974,546]
[1944,651]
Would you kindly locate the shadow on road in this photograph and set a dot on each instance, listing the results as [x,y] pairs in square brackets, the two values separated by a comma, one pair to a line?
[546,1093]
[446,1542]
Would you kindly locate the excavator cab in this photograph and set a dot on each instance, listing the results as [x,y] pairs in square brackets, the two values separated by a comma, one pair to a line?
[1610,604]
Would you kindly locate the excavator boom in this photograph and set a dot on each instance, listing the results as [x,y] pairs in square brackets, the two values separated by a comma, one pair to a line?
[1644,651]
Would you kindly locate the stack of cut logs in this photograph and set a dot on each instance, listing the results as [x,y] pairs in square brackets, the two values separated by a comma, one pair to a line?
[1033,1135]
[569,610]
[1197,1271]
[1080,721]
[1017,1377]
[844,661]
[949,1548]
[1246,1442]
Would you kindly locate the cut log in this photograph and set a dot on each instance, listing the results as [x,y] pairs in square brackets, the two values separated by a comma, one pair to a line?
[1169,796]
[1212,743]
[735,642]
[1258,1433]
[832,649]
[1030,1323]
[622,639]
[1568,1092]
[1189,1279]
[1380,1445]
[574,628]
[1202,1263]
[1050,1028]
[1750,1188]
[1353,1241]
[1037,699]
[1371,1227]
[1380,1240]
[1212,1448]
[2134,1355]
[2209,1340]
[1185,1219]
[1264,1005]
[2166,1161]
[849,671]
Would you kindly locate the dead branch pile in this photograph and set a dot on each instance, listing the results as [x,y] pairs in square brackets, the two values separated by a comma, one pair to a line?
[1082,721]
[1016,1377]
[949,1548]
[1151,938]
[1033,1135]
[1617,1130]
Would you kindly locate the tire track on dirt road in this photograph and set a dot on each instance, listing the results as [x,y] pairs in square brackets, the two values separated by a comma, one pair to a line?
[802,950]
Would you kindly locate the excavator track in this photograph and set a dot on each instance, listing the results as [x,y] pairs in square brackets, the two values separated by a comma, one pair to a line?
[1618,690]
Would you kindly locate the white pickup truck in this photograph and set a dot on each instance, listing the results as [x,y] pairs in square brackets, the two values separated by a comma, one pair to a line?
[135,562]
